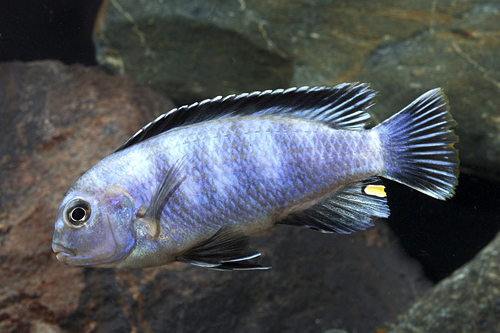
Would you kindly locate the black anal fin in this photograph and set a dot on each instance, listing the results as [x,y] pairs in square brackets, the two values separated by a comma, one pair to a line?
[226,250]
[352,208]
[172,178]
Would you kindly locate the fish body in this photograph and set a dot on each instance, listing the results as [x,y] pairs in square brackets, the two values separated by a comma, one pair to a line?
[194,191]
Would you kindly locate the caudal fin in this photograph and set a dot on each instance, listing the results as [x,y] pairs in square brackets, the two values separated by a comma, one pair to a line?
[418,142]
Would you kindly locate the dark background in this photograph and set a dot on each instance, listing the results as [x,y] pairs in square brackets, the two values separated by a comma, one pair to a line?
[47,29]
[442,235]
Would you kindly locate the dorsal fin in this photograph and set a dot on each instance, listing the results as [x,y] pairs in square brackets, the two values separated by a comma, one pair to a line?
[342,106]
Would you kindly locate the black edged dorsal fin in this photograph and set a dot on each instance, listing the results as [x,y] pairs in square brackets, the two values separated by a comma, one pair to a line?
[227,249]
[352,208]
[342,106]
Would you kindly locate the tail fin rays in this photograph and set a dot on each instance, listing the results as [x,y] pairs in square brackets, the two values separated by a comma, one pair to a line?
[419,144]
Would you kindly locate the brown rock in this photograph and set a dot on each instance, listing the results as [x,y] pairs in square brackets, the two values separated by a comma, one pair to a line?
[52,118]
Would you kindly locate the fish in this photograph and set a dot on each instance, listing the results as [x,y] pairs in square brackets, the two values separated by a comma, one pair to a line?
[193,185]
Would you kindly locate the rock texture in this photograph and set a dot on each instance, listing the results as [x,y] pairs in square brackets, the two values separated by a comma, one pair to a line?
[58,121]
[468,301]
[317,282]
[198,49]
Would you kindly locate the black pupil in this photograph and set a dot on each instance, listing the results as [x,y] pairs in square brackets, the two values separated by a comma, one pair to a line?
[78,214]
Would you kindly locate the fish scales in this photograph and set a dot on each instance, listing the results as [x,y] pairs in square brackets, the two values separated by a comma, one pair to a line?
[195,192]
[262,166]
[247,172]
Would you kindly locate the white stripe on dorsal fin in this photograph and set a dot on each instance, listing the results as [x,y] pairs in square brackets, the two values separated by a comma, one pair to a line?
[342,106]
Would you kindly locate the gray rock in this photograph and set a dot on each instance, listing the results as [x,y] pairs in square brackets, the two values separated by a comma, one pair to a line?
[467,301]
[191,50]
[200,49]
[404,70]
[175,48]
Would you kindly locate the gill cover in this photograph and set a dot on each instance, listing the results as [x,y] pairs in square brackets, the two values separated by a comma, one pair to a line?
[92,231]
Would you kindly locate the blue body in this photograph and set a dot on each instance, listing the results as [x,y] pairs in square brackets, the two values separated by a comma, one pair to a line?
[246,173]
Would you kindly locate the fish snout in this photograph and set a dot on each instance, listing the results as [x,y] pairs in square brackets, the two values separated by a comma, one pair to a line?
[62,252]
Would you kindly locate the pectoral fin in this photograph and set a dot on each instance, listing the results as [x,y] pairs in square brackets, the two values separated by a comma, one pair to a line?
[226,250]
[172,178]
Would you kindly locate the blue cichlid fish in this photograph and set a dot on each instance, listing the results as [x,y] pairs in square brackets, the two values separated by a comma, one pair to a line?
[193,184]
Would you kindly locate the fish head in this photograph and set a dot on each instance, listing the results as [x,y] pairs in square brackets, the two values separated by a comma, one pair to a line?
[94,228]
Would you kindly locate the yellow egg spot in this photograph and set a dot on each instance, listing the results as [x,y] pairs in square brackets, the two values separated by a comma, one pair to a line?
[376,190]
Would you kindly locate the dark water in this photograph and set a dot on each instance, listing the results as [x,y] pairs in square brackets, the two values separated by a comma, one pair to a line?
[443,237]
[48,29]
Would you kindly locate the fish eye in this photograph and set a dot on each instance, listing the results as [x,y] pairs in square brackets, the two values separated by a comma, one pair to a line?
[78,212]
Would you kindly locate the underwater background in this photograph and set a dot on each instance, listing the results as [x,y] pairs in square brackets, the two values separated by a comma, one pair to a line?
[78,78]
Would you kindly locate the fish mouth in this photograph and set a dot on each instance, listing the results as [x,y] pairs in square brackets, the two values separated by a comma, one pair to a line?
[62,252]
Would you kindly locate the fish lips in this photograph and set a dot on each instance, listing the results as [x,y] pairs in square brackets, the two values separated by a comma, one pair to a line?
[62,252]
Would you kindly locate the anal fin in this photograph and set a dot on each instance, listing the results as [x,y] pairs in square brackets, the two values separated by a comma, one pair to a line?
[352,208]
[226,250]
